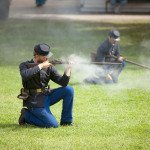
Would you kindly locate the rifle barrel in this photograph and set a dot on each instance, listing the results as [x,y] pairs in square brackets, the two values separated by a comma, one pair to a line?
[105,63]
[134,63]
[86,63]
[57,62]
[140,65]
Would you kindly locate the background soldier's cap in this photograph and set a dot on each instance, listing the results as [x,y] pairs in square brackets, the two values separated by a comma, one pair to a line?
[115,34]
[43,49]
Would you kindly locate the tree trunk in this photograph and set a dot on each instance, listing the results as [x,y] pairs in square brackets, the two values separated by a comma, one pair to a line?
[4,9]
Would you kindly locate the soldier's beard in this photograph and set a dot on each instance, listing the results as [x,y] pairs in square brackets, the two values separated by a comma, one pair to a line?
[39,61]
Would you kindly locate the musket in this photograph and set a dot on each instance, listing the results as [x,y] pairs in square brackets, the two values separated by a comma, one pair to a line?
[105,63]
[60,62]
[53,62]
[132,62]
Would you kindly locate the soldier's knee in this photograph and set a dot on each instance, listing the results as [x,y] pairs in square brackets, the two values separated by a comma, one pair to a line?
[69,90]
[53,125]
[123,63]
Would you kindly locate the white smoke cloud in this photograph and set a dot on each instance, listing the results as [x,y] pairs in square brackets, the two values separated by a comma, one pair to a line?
[82,68]
[146,44]
[133,79]
[144,59]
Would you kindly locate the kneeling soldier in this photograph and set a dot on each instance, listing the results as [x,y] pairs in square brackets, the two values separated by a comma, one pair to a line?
[108,52]
[37,97]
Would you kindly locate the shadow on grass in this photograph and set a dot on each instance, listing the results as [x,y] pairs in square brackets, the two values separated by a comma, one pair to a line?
[15,126]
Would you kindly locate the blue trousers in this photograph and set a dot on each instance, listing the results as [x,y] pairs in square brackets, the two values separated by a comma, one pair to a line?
[41,2]
[122,2]
[43,117]
[115,69]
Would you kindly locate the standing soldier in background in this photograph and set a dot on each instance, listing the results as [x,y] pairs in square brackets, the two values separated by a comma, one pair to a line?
[40,2]
[118,5]
[36,94]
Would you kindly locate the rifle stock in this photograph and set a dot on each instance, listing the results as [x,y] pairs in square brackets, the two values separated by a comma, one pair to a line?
[54,62]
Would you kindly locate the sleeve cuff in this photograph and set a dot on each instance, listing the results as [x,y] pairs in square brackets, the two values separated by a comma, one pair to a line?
[39,67]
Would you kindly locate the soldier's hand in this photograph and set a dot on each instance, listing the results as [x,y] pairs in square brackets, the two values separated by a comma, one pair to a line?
[108,77]
[121,59]
[70,64]
[45,64]
[69,68]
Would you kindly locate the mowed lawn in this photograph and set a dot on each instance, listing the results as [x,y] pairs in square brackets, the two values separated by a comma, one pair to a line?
[113,117]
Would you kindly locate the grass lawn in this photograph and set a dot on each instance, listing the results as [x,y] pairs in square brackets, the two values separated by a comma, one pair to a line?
[114,117]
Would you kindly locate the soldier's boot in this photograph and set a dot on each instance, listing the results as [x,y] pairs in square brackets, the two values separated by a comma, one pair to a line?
[66,124]
[21,119]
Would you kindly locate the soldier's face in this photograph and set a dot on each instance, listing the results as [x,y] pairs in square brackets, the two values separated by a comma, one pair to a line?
[40,58]
[112,40]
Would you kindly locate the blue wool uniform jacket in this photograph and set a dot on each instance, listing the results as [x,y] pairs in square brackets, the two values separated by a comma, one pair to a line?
[105,49]
[34,78]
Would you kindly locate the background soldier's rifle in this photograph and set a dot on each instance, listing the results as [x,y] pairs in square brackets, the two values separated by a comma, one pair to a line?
[93,57]
[132,62]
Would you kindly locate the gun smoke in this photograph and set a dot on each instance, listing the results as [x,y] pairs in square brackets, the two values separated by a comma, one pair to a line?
[83,69]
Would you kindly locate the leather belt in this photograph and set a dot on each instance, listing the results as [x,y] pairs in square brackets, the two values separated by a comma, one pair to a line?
[34,91]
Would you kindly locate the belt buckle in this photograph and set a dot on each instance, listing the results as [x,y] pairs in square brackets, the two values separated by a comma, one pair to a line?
[38,90]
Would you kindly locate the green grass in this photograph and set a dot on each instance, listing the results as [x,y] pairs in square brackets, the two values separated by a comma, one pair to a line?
[108,116]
